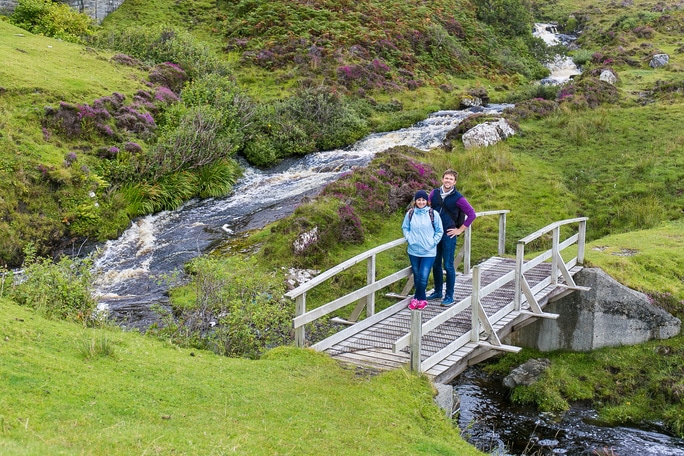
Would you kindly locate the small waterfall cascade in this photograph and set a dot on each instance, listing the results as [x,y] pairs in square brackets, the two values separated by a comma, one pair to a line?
[562,68]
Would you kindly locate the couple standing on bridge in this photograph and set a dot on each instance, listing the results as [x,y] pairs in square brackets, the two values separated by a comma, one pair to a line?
[432,240]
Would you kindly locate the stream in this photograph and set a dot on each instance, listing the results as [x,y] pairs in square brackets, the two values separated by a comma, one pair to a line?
[490,422]
[131,269]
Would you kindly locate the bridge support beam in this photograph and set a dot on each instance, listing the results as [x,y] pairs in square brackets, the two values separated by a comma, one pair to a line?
[416,336]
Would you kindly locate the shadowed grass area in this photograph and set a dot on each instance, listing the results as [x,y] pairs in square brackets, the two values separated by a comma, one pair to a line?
[127,394]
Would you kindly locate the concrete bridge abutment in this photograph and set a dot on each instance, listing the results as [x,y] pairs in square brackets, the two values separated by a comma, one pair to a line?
[608,315]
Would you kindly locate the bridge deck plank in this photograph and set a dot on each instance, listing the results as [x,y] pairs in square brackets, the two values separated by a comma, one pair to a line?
[372,347]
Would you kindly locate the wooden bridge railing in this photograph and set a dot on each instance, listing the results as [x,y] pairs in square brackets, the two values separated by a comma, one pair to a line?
[366,295]
[480,320]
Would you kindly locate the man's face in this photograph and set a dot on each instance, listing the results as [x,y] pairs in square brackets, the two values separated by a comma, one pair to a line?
[448,181]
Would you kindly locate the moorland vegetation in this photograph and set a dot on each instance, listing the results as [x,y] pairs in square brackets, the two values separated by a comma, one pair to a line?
[157,104]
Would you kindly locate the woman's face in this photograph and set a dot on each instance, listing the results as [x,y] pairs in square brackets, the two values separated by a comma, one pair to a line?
[421,203]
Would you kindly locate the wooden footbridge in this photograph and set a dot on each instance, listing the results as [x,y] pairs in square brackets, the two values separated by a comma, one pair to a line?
[493,299]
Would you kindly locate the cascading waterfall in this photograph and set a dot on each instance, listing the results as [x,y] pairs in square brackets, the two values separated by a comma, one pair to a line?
[130,268]
[562,68]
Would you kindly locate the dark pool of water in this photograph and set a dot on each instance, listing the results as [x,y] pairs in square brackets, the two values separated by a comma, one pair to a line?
[490,422]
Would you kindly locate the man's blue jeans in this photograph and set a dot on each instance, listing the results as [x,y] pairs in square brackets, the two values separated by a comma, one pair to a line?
[445,257]
[421,272]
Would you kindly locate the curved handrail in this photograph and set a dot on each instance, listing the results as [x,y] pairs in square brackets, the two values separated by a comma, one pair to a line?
[548,228]
[303,288]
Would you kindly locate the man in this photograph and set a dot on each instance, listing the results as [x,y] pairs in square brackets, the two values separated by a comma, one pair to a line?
[457,215]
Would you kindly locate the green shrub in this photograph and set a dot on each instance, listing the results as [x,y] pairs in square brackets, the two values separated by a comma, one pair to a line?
[93,348]
[582,56]
[309,121]
[53,19]
[201,136]
[511,17]
[59,290]
[234,311]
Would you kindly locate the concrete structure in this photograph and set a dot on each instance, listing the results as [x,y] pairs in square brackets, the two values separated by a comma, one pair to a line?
[97,9]
[607,315]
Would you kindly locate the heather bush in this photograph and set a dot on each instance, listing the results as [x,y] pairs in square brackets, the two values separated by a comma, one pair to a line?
[124,59]
[351,230]
[76,121]
[53,19]
[132,120]
[531,109]
[168,75]
[588,91]
[198,138]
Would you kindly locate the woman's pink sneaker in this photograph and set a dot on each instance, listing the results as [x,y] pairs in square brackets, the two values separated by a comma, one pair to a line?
[413,305]
[421,305]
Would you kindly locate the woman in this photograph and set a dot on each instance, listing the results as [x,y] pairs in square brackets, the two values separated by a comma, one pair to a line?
[423,231]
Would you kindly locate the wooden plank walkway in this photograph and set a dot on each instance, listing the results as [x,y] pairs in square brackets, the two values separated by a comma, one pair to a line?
[373,346]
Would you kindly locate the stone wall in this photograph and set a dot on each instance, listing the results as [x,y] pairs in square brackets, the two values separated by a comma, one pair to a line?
[608,315]
[97,9]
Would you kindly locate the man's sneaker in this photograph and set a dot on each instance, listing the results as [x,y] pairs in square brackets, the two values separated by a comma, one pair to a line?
[447,301]
[413,305]
[421,305]
[434,296]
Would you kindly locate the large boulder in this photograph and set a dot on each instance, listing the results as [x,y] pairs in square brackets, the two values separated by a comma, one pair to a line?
[488,133]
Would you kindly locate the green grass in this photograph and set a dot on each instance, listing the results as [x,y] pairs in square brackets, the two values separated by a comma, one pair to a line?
[135,395]
[45,70]
[646,260]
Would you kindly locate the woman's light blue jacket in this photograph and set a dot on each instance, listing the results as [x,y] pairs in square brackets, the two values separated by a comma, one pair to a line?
[421,233]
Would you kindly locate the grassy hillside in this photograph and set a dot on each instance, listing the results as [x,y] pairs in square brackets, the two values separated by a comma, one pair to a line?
[69,390]
[612,153]
[35,202]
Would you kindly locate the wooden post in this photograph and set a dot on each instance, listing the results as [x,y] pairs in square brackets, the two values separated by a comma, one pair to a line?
[416,336]
[466,250]
[370,279]
[519,259]
[300,309]
[475,306]
[555,253]
[502,234]
[581,241]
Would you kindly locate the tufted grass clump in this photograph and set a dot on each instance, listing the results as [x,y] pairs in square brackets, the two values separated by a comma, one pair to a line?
[95,347]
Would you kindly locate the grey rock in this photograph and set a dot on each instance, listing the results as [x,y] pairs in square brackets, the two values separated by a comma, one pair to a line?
[608,76]
[486,134]
[527,373]
[659,60]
